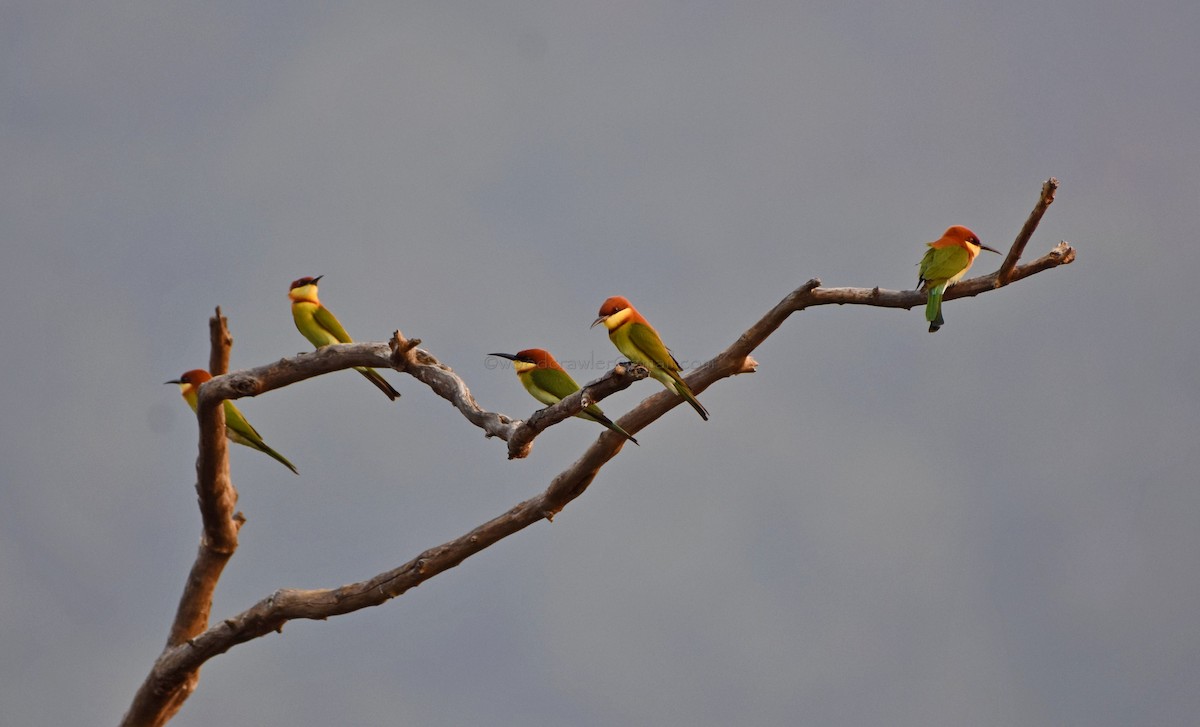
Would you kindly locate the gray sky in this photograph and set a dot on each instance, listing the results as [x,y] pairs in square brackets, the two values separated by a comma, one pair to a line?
[996,525]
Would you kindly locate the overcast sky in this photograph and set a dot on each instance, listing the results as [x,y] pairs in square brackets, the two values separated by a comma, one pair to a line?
[996,525]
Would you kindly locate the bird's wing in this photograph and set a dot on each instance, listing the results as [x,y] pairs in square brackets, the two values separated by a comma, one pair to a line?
[926,261]
[558,384]
[942,263]
[235,421]
[330,323]
[648,342]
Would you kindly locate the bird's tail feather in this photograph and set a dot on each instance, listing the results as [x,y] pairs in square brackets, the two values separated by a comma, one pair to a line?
[603,420]
[617,428]
[373,376]
[682,389]
[933,307]
[280,458]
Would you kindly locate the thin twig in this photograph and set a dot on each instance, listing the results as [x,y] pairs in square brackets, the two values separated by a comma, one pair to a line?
[220,343]
[1004,275]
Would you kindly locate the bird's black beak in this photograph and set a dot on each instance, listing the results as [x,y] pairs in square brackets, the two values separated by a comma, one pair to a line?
[989,249]
[597,321]
[508,356]
[176,381]
[314,280]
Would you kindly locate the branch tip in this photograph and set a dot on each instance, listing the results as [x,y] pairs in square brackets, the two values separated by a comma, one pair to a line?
[1006,272]
[401,348]
[220,342]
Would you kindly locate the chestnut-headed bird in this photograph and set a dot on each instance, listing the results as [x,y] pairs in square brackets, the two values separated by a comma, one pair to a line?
[321,328]
[549,383]
[945,263]
[636,338]
[237,429]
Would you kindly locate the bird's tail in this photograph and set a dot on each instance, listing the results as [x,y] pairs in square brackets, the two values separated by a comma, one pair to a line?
[373,376]
[254,441]
[602,419]
[277,456]
[933,307]
[682,389]
[263,448]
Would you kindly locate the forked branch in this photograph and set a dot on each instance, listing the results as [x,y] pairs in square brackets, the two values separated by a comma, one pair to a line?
[176,670]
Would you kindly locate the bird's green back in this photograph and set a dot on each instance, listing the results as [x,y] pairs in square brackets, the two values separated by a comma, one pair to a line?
[943,263]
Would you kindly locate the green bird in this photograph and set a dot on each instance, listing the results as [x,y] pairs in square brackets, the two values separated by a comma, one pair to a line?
[550,383]
[945,263]
[237,429]
[322,328]
[636,338]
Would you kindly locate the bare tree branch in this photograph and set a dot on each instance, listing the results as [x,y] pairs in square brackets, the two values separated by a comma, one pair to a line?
[220,343]
[1062,254]
[403,355]
[217,497]
[1010,261]
[176,670]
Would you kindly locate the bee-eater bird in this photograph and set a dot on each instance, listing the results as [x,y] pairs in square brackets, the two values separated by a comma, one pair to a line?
[237,429]
[636,338]
[549,383]
[321,328]
[945,263]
